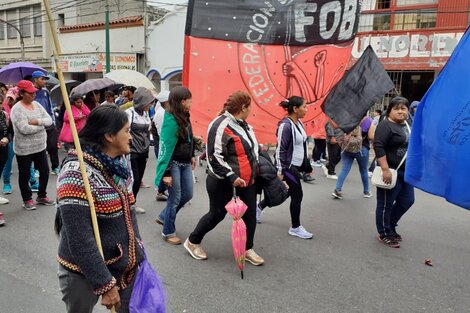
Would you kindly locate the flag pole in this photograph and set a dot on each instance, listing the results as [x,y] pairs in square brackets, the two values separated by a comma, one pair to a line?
[57,51]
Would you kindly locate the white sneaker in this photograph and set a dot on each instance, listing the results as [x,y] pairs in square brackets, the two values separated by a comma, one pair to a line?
[300,232]
[325,170]
[139,210]
[317,164]
[367,195]
[332,176]
[4,200]
[259,212]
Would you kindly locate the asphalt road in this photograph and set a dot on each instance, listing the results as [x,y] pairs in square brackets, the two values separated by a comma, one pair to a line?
[343,269]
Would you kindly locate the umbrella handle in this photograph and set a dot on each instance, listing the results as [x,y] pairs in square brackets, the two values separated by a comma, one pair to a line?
[234,192]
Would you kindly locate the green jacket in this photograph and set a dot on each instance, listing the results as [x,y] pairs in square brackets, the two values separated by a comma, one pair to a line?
[168,140]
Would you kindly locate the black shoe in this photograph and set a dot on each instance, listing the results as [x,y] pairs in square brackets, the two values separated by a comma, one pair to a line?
[397,236]
[389,241]
[308,178]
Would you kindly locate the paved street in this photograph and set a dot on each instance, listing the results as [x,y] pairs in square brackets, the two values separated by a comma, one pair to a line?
[343,269]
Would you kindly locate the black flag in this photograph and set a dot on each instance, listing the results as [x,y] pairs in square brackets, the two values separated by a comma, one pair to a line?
[364,84]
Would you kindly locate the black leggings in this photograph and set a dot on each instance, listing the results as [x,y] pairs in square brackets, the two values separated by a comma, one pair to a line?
[24,168]
[138,163]
[319,149]
[220,193]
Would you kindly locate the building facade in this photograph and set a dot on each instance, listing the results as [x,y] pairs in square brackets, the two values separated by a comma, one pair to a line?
[81,29]
[412,38]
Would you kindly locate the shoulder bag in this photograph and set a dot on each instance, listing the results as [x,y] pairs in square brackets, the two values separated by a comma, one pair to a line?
[377,175]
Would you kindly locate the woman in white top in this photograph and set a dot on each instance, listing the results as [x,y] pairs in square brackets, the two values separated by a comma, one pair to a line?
[29,120]
[291,158]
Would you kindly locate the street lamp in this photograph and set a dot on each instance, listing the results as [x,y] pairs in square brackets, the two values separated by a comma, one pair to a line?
[21,37]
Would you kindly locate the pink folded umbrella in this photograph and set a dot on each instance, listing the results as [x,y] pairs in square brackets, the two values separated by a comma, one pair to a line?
[236,208]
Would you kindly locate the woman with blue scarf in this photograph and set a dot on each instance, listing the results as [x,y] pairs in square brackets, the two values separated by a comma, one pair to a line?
[83,274]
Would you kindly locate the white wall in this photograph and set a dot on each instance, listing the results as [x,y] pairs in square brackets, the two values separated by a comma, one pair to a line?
[166,44]
[121,40]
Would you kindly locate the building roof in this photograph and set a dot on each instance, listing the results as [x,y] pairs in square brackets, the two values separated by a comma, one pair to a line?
[130,21]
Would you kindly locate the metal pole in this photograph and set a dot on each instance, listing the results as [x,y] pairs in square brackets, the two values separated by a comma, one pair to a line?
[21,37]
[78,148]
[108,57]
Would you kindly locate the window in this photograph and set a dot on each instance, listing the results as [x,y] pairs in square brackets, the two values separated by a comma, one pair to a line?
[377,21]
[175,80]
[2,31]
[413,2]
[382,4]
[25,22]
[156,80]
[37,21]
[415,19]
[61,20]
[12,33]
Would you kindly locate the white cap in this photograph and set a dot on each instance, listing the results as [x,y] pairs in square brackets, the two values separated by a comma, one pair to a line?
[163,96]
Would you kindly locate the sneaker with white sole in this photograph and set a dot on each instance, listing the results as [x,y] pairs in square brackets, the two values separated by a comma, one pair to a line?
[253,257]
[139,210]
[44,201]
[300,232]
[194,250]
[29,205]
[367,195]
[337,194]
[325,170]
[2,220]
[332,176]
[4,200]
[161,196]
[317,164]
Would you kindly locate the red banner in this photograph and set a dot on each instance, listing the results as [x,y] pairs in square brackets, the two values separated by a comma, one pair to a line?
[270,73]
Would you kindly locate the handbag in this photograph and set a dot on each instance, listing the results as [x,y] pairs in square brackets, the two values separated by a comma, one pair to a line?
[377,174]
[147,295]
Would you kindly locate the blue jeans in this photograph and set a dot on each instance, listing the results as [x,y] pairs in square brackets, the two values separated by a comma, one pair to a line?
[161,188]
[180,193]
[392,204]
[7,168]
[347,159]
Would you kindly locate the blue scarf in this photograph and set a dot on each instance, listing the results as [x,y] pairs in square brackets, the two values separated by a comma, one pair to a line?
[115,167]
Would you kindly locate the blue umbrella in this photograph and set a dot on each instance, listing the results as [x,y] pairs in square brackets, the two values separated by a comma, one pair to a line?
[14,72]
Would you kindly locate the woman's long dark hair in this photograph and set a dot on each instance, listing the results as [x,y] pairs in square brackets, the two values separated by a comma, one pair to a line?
[104,120]
[177,95]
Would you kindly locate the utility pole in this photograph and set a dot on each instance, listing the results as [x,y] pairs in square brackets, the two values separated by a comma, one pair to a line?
[108,56]
[21,36]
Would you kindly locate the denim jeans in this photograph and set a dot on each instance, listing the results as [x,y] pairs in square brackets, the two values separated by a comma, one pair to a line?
[347,159]
[161,188]
[7,168]
[392,204]
[180,193]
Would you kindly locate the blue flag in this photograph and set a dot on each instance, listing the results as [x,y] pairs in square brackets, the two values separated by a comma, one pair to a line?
[439,149]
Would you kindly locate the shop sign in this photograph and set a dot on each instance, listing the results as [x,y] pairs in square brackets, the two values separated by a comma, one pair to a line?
[422,50]
[77,63]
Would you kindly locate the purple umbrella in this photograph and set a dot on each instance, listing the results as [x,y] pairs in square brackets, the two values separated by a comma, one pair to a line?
[14,72]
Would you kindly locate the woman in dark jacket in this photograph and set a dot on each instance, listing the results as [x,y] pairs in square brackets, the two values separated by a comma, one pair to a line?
[83,274]
[291,158]
[176,160]
[391,145]
[232,154]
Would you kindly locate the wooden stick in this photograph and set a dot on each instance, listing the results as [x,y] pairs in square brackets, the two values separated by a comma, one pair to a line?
[57,51]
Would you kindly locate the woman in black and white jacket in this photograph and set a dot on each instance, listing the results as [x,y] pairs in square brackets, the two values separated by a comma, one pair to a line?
[291,158]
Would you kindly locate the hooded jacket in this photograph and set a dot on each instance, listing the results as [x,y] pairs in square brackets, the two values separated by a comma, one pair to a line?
[285,146]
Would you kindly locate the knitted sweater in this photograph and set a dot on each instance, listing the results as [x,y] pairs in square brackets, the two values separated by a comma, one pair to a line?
[29,139]
[117,222]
